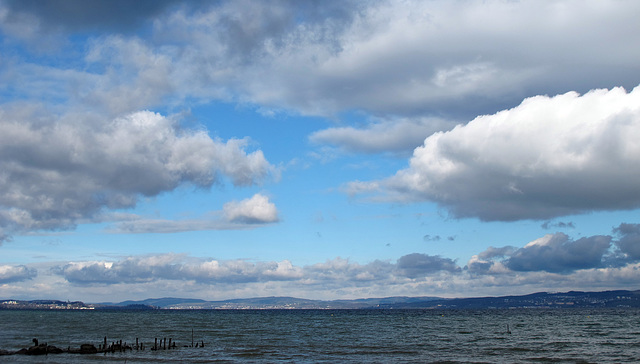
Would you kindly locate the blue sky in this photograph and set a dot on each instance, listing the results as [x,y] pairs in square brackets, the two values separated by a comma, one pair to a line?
[320,150]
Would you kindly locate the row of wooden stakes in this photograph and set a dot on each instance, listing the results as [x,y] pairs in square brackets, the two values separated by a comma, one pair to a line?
[115,346]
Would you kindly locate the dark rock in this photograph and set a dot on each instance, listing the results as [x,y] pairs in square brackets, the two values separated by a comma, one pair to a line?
[37,350]
[54,350]
[88,349]
[42,349]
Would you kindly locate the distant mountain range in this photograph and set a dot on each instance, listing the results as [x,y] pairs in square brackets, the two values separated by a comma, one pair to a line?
[573,299]
[619,298]
[274,303]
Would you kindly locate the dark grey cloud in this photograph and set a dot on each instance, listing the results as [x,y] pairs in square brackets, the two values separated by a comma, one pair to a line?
[557,225]
[628,240]
[16,273]
[419,265]
[240,33]
[75,15]
[557,253]
[431,237]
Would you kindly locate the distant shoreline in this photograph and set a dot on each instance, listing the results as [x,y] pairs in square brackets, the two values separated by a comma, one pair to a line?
[572,299]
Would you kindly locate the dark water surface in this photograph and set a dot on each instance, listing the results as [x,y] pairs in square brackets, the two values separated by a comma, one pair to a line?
[335,336]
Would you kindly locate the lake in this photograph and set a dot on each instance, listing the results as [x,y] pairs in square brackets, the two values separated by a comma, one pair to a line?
[334,336]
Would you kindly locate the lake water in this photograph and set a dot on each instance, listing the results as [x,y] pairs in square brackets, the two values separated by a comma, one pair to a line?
[334,336]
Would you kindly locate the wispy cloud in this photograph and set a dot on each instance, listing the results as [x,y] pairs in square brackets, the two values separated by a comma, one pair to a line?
[394,136]
[557,225]
[235,215]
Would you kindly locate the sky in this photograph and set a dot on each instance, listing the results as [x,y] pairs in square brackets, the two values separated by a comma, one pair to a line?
[318,149]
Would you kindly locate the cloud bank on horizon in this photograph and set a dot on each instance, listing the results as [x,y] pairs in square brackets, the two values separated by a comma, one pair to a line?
[508,112]
[596,262]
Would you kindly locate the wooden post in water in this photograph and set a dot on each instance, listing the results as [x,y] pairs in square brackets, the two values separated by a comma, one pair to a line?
[137,347]
[104,347]
[155,344]
[192,337]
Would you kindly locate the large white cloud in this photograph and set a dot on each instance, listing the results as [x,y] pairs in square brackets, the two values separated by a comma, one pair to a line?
[56,173]
[547,157]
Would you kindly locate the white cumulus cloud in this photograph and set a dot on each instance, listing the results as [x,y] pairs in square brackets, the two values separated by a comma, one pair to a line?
[56,172]
[547,157]
[257,209]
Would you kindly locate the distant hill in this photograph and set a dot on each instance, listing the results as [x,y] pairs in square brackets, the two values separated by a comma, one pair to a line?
[162,302]
[618,298]
[573,299]
[272,303]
